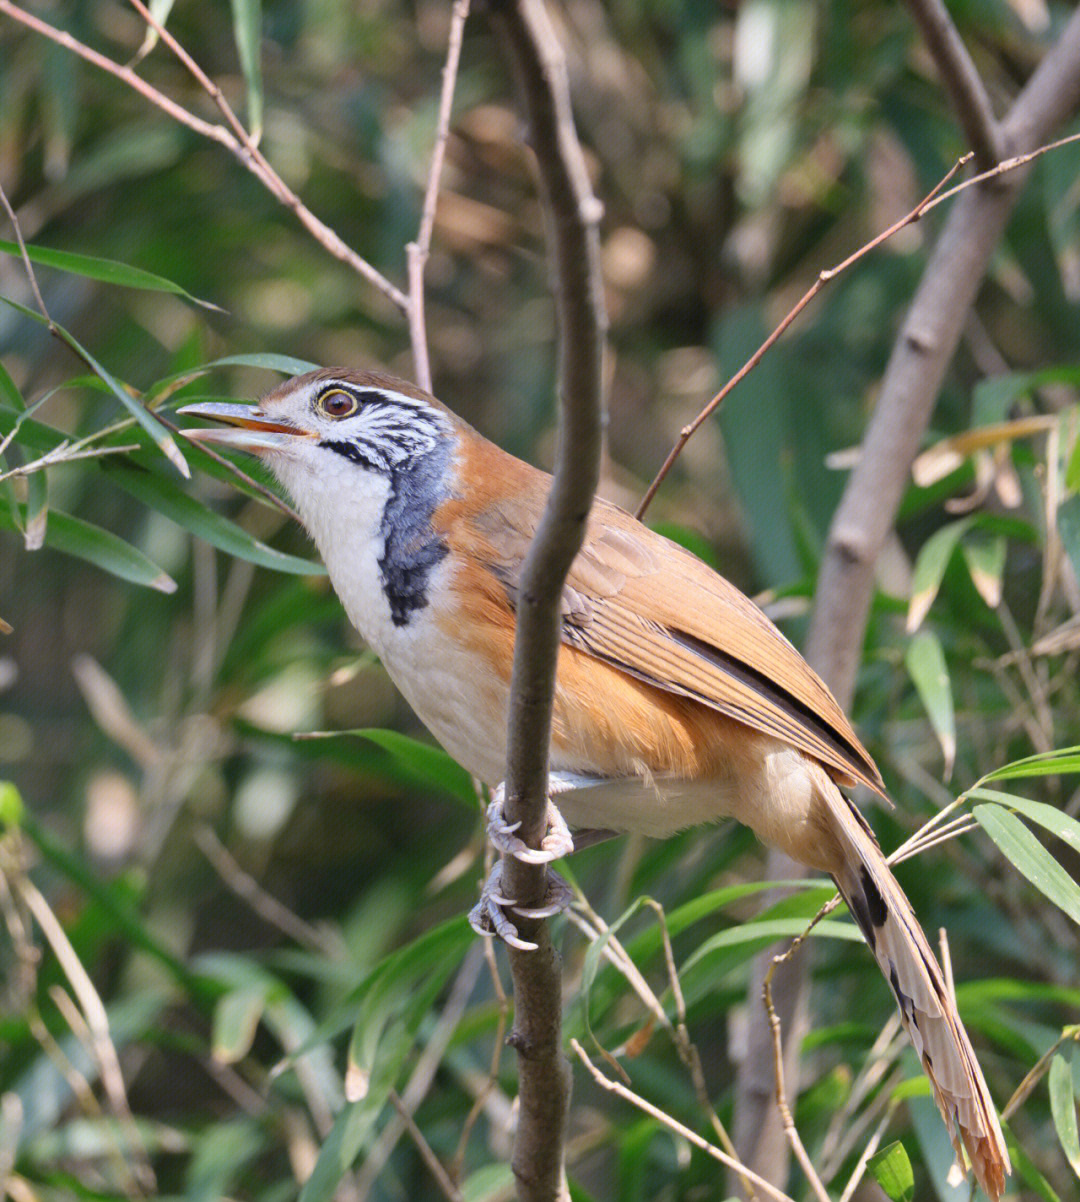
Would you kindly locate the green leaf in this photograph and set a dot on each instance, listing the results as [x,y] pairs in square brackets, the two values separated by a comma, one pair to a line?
[1068,524]
[100,547]
[107,271]
[769,930]
[925,662]
[891,1169]
[985,559]
[12,807]
[164,440]
[285,364]
[160,10]
[929,570]
[37,510]
[1056,821]
[159,494]
[1063,1109]
[1030,858]
[422,761]
[393,1000]
[247,29]
[236,1019]
[1048,763]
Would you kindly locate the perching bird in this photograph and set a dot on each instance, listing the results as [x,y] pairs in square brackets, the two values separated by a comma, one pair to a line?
[677,700]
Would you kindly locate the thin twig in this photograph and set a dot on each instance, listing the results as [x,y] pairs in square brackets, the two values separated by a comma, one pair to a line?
[268,908]
[97,1020]
[627,1094]
[64,454]
[824,277]
[417,252]
[1038,1071]
[442,1178]
[788,1120]
[243,150]
[961,80]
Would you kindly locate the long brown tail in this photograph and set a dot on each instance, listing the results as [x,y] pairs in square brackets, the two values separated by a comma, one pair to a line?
[929,1014]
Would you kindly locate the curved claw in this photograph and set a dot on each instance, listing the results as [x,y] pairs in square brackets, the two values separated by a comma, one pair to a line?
[488,917]
[557,841]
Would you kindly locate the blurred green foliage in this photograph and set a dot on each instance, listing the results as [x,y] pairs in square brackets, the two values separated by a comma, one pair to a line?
[275,926]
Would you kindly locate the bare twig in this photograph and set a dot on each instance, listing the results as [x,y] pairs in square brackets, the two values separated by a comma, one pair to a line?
[442,1179]
[241,147]
[790,1130]
[268,908]
[961,80]
[824,277]
[97,1021]
[617,1087]
[572,214]
[913,378]
[417,252]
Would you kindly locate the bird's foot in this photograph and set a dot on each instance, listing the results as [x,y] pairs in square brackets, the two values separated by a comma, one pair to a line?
[556,843]
[489,918]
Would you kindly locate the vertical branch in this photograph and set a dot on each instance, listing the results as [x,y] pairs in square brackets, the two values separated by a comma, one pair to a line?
[572,214]
[417,252]
[867,511]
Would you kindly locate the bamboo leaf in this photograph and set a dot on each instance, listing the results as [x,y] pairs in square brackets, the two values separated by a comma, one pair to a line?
[925,662]
[158,493]
[105,550]
[929,570]
[1063,1109]
[106,271]
[985,559]
[1049,763]
[164,440]
[1030,858]
[247,29]
[891,1169]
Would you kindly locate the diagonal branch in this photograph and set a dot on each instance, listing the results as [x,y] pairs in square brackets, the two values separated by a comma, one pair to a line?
[572,214]
[961,80]
[241,145]
[867,511]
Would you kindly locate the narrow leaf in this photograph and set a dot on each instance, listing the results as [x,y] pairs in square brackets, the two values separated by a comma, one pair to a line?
[37,510]
[138,411]
[106,271]
[247,29]
[1068,524]
[100,547]
[1030,858]
[929,570]
[1048,763]
[891,1169]
[160,10]
[236,1019]
[1049,817]
[155,491]
[1063,1109]
[985,559]
[926,664]
[430,764]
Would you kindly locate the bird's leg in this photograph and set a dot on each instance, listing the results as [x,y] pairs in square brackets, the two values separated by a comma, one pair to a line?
[557,841]
[488,917]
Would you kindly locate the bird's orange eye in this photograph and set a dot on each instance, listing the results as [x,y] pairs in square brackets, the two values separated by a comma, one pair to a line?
[335,402]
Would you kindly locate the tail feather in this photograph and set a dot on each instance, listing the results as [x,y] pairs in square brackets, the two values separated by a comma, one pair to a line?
[929,1014]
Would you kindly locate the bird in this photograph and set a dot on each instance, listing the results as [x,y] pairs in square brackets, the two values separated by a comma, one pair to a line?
[677,701]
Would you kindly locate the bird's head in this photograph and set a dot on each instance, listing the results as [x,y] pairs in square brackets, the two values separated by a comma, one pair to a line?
[343,441]
[376,422]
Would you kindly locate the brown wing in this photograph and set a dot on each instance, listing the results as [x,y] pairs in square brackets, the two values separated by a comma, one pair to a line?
[648,607]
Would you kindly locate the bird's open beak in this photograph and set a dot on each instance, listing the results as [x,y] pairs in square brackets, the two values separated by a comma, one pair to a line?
[245,428]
